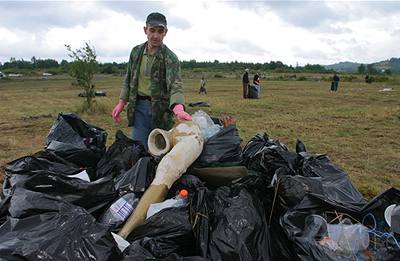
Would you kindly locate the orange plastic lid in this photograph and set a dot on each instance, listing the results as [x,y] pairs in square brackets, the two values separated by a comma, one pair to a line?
[183,193]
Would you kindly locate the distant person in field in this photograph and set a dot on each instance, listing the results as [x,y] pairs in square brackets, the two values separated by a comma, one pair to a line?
[202,86]
[368,79]
[256,79]
[153,89]
[335,83]
[245,80]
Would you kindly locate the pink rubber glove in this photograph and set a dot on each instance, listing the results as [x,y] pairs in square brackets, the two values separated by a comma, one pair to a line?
[181,114]
[117,111]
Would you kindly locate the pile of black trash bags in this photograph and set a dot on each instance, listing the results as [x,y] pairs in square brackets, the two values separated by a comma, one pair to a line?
[55,203]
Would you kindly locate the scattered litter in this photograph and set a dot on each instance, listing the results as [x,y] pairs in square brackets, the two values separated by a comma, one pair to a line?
[96,93]
[199,104]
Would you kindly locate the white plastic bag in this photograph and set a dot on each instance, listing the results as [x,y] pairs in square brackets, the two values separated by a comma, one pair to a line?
[207,126]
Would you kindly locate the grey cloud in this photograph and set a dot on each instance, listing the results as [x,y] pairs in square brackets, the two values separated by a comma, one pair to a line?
[37,16]
[383,8]
[307,14]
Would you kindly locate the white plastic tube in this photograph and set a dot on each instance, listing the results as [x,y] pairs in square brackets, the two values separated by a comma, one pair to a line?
[182,145]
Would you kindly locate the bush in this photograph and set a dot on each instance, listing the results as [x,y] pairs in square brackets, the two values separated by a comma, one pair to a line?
[349,78]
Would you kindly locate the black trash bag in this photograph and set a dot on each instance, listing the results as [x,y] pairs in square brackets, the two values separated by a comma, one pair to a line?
[199,218]
[138,178]
[281,246]
[25,203]
[265,155]
[166,232]
[222,149]
[337,186]
[68,234]
[254,91]
[292,189]
[120,156]
[76,141]
[42,162]
[135,252]
[238,226]
[93,196]
[300,147]
[199,104]
[188,182]
[4,205]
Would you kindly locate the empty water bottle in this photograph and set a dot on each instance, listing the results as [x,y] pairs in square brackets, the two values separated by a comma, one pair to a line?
[180,200]
[119,211]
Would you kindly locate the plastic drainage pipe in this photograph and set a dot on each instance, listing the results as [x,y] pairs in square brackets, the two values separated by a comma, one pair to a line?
[181,145]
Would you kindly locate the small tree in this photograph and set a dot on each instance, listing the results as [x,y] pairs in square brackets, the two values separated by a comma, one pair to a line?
[82,68]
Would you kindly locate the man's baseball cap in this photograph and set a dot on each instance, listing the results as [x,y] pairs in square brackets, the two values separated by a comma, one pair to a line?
[156,19]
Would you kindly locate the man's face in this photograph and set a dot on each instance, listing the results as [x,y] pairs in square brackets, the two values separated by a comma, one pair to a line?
[155,35]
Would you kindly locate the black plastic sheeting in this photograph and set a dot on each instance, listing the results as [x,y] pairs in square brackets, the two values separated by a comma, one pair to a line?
[138,178]
[268,215]
[266,155]
[120,156]
[68,234]
[93,196]
[76,141]
[166,232]
[222,149]
[230,224]
[43,162]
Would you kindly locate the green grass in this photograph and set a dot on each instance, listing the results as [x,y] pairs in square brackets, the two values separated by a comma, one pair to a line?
[358,127]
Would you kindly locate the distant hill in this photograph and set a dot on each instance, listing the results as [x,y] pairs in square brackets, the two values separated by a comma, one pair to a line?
[393,65]
[343,67]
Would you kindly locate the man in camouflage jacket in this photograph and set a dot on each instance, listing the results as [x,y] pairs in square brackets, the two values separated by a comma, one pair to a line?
[152,90]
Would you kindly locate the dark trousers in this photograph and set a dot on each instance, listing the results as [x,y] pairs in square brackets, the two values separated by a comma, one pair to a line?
[245,90]
[334,86]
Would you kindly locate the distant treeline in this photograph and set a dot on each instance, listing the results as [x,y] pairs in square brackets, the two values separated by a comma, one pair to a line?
[55,67]
[276,66]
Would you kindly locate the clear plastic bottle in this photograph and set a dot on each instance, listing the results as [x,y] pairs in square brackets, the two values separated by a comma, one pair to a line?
[180,200]
[351,238]
[119,211]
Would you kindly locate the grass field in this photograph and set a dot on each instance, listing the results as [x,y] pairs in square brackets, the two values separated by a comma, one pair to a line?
[358,127]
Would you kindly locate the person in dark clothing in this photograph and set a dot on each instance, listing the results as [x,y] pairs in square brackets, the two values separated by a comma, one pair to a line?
[256,79]
[202,86]
[246,81]
[335,83]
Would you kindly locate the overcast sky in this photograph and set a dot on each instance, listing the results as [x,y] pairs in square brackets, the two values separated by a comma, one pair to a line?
[322,32]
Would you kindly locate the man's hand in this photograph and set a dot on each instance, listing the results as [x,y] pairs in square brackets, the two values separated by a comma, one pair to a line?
[117,111]
[181,114]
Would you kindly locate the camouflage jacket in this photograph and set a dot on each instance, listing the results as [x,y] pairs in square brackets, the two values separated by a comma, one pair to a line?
[166,85]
